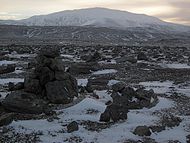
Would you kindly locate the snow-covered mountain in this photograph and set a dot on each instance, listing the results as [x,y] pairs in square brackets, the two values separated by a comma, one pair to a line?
[97,17]
[100,17]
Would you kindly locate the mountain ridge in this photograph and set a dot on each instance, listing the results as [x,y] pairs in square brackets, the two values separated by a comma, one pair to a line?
[98,17]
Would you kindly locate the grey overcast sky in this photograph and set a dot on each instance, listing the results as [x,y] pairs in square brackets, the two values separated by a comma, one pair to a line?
[177,11]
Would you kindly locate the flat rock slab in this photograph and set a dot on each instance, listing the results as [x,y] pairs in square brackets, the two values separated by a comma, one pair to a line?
[23,102]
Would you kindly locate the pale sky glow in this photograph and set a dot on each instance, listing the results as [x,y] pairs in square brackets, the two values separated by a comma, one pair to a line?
[177,11]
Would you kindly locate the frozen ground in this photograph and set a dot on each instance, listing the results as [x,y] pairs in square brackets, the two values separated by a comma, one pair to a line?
[167,87]
[54,131]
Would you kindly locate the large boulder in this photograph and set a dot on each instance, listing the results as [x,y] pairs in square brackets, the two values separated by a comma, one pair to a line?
[32,85]
[46,75]
[23,102]
[97,83]
[6,119]
[58,92]
[70,82]
[114,112]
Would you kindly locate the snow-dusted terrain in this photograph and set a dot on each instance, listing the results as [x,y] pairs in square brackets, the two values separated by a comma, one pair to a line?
[167,76]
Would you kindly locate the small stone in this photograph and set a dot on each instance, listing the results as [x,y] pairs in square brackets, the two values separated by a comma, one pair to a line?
[142,131]
[73,126]
[157,128]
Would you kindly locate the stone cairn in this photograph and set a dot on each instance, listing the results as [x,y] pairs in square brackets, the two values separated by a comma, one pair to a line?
[47,83]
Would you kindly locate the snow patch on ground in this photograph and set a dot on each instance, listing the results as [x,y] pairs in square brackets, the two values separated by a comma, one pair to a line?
[157,86]
[106,71]
[13,80]
[167,87]
[112,82]
[5,62]
[55,131]
[82,82]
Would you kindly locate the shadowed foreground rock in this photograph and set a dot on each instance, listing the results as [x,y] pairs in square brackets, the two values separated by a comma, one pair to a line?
[47,83]
[73,126]
[24,102]
[142,131]
[6,119]
[125,98]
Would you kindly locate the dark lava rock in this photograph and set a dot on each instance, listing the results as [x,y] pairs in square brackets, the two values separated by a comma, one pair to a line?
[105,117]
[130,99]
[6,119]
[117,112]
[169,120]
[84,68]
[70,82]
[57,92]
[50,52]
[73,126]
[17,86]
[114,112]
[129,58]
[57,65]
[95,57]
[129,92]
[132,59]
[142,131]
[23,102]
[118,87]
[7,68]
[32,85]
[157,128]
[46,76]
[188,139]
[97,83]
[142,56]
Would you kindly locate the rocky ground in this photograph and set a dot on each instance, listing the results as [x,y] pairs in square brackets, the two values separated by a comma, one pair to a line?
[94,94]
